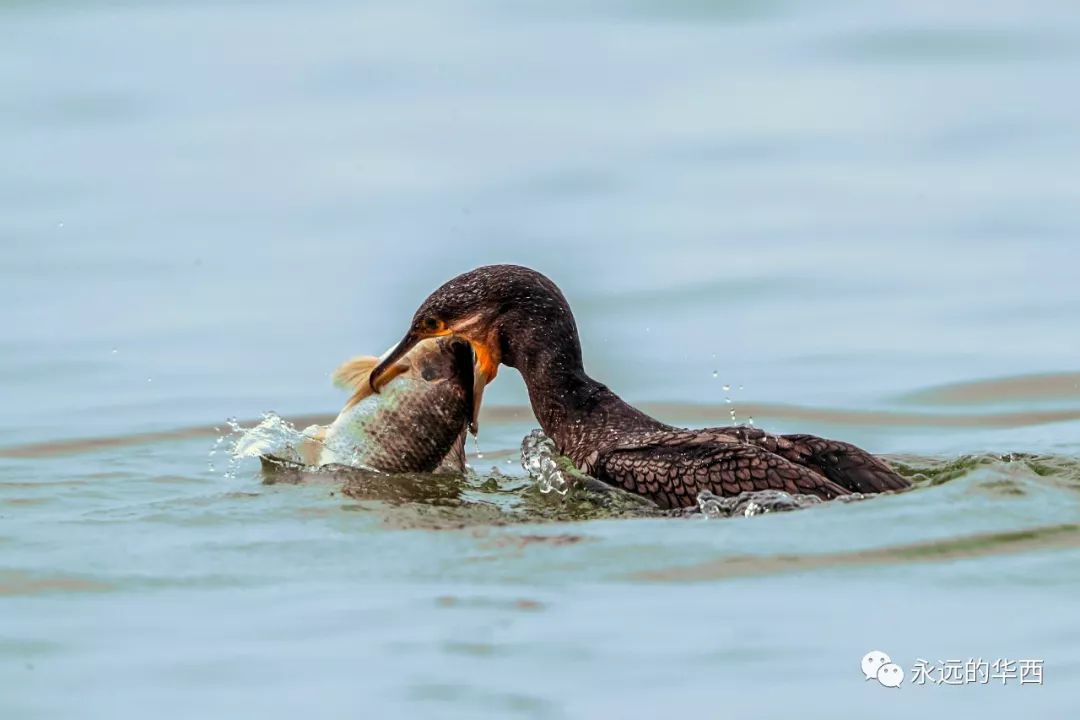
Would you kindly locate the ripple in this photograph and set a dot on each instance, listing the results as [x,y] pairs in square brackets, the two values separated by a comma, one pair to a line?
[1051,537]
[1064,384]
[1049,386]
[19,583]
[939,45]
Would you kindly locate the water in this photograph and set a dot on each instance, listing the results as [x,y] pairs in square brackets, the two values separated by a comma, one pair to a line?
[864,216]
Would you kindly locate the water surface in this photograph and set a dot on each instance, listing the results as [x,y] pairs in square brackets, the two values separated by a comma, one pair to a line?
[863,220]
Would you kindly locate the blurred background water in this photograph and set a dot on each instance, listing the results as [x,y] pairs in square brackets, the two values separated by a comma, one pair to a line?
[848,213]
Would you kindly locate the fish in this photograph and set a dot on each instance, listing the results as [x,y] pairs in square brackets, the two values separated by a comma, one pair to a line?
[417,424]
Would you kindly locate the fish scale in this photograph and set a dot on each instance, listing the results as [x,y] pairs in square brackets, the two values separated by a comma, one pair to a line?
[411,426]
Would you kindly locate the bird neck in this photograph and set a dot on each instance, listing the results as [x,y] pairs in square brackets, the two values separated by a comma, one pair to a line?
[560,394]
[574,410]
[548,356]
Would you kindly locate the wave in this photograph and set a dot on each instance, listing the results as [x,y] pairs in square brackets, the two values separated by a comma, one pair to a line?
[685,413]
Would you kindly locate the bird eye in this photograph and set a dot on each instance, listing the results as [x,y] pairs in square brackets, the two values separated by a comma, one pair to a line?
[431,324]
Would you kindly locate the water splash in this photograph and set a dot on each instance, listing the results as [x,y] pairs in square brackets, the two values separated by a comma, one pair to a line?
[233,433]
[539,458]
[274,436]
[277,439]
[214,450]
[749,504]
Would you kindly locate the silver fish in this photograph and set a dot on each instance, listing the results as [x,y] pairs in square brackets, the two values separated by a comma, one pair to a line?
[416,424]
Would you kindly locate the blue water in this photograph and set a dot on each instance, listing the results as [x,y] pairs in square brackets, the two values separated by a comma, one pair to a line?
[844,213]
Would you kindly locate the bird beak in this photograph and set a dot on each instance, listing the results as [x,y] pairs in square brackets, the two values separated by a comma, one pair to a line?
[486,360]
[382,372]
[466,370]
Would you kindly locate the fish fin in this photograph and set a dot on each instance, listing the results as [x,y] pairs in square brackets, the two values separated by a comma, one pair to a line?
[353,373]
[454,462]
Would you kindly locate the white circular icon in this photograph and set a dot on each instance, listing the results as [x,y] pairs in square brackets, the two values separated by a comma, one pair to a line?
[872,662]
[890,675]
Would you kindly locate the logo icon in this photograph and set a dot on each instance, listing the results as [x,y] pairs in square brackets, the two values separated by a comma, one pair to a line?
[890,675]
[877,665]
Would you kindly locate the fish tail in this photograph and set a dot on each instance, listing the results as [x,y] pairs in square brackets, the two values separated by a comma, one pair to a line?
[353,375]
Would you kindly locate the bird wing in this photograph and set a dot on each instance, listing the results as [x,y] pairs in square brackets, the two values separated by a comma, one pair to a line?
[845,464]
[671,468]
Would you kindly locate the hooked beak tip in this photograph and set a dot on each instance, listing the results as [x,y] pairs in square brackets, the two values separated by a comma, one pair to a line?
[375,379]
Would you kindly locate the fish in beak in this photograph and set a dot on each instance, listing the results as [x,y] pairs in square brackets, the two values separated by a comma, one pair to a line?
[381,374]
[484,356]
[417,423]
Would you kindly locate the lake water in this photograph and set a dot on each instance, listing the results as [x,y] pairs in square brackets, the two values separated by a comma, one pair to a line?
[862,219]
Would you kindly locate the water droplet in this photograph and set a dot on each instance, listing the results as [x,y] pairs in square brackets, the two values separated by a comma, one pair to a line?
[149,379]
[60,224]
[727,400]
[750,421]
[114,351]
[715,374]
[727,388]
